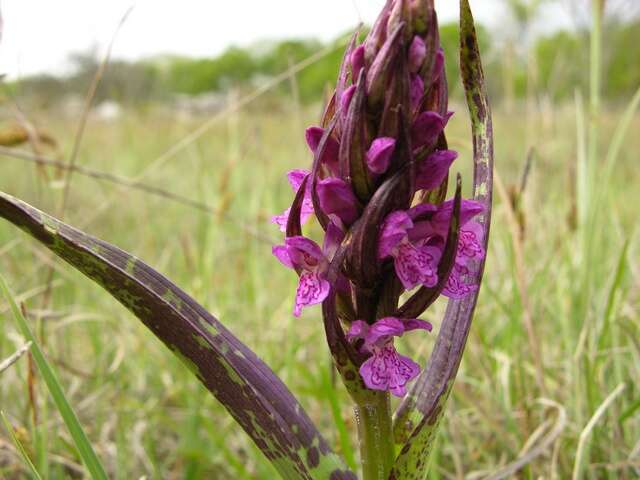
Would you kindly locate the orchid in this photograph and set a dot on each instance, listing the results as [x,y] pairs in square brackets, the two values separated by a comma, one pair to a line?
[379,175]
[386,369]
[392,244]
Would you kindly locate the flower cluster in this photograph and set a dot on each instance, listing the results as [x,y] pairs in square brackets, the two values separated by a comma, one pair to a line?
[377,187]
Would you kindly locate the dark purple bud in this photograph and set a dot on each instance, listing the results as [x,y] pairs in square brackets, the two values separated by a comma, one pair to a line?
[381,68]
[400,14]
[377,35]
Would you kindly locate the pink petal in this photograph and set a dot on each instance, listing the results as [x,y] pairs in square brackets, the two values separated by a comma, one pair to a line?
[332,239]
[304,253]
[470,243]
[281,220]
[358,330]
[468,210]
[332,149]
[336,197]
[379,154]
[386,370]
[459,284]
[433,170]
[427,127]
[384,330]
[393,231]
[282,254]
[417,324]
[416,266]
[296,177]
[417,54]
[312,289]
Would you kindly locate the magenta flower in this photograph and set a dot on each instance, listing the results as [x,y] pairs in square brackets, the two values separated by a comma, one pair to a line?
[379,154]
[296,177]
[432,229]
[306,257]
[415,263]
[383,150]
[386,369]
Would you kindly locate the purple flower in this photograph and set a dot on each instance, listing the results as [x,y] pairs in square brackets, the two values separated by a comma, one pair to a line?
[329,159]
[305,256]
[415,264]
[432,229]
[417,54]
[427,128]
[379,154]
[296,177]
[433,170]
[337,198]
[386,369]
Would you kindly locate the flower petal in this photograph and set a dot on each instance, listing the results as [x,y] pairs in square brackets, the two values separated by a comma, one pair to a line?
[468,210]
[470,243]
[459,285]
[393,231]
[417,54]
[427,127]
[416,324]
[336,197]
[281,253]
[379,154]
[416,266]
[384,330]
[296,177]
[386,370]
[313,136]
[281,220]
[433,170]
[304,253]
[358,330]
[312,289]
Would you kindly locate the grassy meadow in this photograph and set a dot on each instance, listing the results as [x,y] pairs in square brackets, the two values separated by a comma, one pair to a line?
[556,333]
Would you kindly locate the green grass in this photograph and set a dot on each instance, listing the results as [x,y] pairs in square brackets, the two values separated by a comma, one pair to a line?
[144,413]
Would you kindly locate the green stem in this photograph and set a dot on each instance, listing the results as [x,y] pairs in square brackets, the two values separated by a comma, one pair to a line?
[373,415]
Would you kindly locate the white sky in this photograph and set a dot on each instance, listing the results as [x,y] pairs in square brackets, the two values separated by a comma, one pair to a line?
[40,34]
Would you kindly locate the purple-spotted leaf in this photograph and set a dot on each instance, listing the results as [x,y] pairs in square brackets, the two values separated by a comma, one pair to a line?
[256,398]
[419,415]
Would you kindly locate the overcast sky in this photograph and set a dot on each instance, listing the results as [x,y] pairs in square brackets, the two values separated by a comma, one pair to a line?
[39,35]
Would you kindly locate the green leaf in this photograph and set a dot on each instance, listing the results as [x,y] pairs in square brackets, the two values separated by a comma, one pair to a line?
[256,398]
[20,447]
[421,411]
[80,439]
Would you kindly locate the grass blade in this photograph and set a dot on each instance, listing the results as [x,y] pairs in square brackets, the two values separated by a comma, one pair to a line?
[18,444]
[80,439]
[256,398]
